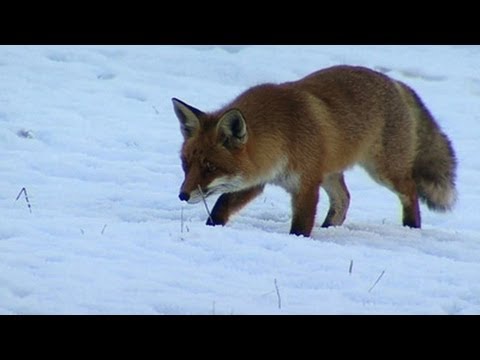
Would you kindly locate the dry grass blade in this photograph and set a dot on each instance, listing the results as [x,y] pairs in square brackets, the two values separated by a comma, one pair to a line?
[24,191]
[205,203]
[278,294]
[376,282]
[181,221]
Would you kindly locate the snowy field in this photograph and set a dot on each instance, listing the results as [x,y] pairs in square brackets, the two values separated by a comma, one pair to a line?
[90,133]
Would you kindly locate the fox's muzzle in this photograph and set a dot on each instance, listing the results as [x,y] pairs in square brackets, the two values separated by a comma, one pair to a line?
[192,197]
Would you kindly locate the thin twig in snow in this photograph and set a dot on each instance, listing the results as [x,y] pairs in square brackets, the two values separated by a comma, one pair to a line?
[268,293]
[24,191]
[103,230]
[376,282]
[278,294]
[181,221]
[351,267]
[181,225]
[205,203]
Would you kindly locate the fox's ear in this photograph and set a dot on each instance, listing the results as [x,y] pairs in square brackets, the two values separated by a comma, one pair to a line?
[188,117]
[233,129]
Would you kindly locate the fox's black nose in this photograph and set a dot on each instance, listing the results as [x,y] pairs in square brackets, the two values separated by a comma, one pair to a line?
[184,196]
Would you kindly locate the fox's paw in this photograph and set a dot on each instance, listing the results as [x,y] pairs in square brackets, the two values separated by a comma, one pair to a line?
[212,221]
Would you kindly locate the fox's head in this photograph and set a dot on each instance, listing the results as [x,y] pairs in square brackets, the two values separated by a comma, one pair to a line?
[211,152]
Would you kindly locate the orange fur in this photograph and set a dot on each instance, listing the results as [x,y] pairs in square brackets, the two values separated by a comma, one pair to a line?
[302,135]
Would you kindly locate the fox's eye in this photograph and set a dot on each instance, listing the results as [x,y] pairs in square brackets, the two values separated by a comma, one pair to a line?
[210,167]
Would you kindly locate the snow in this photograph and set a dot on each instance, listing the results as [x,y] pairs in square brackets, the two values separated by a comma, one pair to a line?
[90,133]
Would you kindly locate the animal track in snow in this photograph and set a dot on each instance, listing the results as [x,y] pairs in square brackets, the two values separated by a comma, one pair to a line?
[26,134]
[417,74]
[20,292]
[135,95]
[475,86]
[412,73]
[106,76]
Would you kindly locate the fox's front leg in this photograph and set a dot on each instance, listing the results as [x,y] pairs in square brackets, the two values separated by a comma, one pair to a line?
[230,203]
[304,208]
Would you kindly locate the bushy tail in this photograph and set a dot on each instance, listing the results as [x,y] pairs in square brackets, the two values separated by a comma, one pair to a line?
[434,170]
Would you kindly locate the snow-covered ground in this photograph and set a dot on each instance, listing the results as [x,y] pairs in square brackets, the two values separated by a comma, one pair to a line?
[90,133]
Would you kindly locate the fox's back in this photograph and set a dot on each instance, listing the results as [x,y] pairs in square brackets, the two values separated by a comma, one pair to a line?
[337,114]
[353,94]
[353,98]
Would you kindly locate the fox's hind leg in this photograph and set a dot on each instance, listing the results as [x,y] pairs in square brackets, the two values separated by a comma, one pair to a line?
[390,161]
[337,192]
[406,190]
[400,181]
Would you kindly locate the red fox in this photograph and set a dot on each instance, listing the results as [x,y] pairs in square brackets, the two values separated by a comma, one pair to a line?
[303,135]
